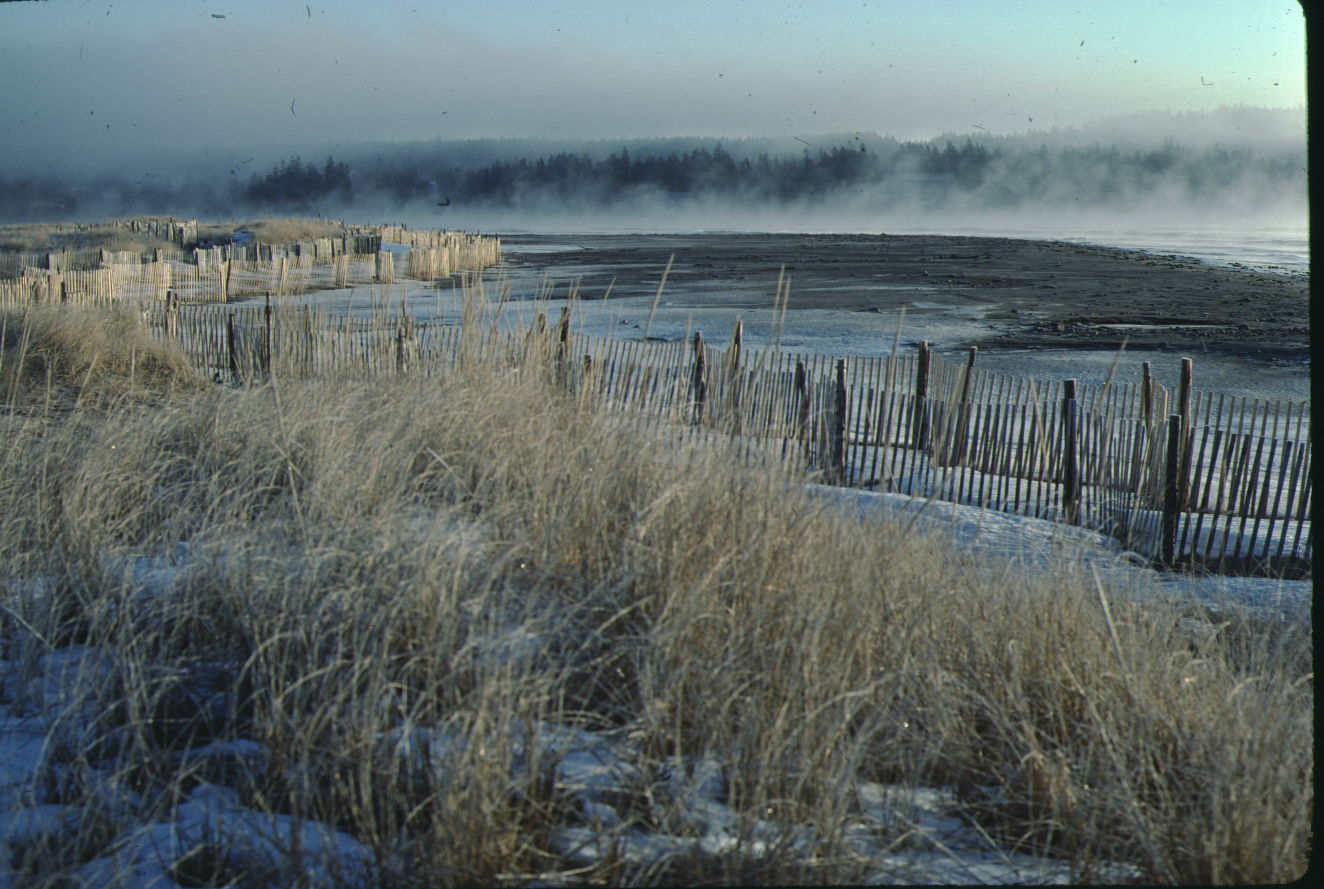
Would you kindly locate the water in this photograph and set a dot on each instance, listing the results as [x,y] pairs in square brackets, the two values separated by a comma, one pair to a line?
[1281,249]
[1284,250]
[1282,246]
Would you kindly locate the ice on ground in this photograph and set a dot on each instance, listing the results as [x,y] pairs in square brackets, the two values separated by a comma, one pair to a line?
[250,842]
[1037,543]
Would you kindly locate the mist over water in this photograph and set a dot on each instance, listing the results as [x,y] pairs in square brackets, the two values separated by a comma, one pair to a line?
[1243,170]
[1225,188]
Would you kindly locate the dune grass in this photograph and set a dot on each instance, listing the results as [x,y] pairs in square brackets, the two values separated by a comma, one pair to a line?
[115,235]
[274,229]
[52,356]
[110,235]
[50,238]
[478,555]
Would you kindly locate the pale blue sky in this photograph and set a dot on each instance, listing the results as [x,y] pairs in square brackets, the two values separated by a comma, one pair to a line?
[106,80]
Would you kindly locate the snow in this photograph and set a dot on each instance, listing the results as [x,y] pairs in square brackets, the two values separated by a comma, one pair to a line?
[258,843]
[1035,542]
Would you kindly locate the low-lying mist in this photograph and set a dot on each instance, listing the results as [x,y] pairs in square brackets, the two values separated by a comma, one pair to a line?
[1255,179]
[859,211]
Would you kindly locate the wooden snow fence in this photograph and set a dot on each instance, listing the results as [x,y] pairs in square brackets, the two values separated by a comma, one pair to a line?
[1185,478]
[246,344]
[1188,479]
[80,288]
[233,272]
[457,250]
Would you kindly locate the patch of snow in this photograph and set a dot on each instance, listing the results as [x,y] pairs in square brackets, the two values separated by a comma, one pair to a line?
[1037,543]
[277,845]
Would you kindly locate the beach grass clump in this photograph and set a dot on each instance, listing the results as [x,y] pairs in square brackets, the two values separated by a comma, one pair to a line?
[394,610]
[288,229]
[114,235]
[48,352]
[119,235]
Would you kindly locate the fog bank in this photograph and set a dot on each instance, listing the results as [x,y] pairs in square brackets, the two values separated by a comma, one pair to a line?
[1254,178]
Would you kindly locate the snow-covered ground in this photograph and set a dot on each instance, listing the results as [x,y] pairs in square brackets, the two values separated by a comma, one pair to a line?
[938,846]
[1035,541]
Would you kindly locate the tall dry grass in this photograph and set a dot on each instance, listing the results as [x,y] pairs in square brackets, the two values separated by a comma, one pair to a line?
[110,235]
[288,229]
[51,238]
[48,353]
[116,235]
[461,560]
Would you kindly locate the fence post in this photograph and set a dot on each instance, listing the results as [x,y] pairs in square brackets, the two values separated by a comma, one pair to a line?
[1168,542]
[733,375]
[229,345]
[802,412]
[1184,411]
[308,338]
[1070,457]
[962,445]
[1147,393]
[560,353]
[266,344]
[837,458]
[700,385]
[172,315]
[1184,394]
[563,334]
[919,432]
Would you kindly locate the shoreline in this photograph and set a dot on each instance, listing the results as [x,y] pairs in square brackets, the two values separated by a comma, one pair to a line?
[1034,294]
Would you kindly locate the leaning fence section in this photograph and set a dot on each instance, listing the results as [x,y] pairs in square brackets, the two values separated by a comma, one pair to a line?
[1187,479]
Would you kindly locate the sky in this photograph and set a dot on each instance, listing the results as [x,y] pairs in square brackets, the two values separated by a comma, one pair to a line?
[95,83]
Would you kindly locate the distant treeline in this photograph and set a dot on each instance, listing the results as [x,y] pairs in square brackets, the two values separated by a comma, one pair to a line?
[882,172]
[999,178]
[294,183]
[676,175]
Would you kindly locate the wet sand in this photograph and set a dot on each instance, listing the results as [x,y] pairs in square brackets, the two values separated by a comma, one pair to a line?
[1037,294]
